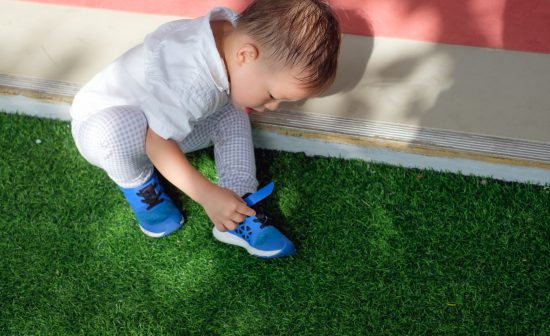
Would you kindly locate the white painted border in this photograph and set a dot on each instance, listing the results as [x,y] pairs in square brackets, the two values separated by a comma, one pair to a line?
[34,107]
[270,140]
[412,135]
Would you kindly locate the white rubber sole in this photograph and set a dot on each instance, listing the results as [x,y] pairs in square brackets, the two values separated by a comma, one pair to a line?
[228,238]
[159,234]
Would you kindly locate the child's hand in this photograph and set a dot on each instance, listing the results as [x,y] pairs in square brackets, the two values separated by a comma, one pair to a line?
[225,208]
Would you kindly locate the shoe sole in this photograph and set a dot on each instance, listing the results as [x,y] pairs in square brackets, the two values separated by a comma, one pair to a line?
[163,233]
[231,239]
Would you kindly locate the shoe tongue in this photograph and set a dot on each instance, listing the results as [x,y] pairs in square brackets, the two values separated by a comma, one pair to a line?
[259,195]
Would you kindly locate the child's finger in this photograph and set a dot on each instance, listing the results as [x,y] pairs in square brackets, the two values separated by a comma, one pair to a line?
[238,218]
[230,225]
[245,210]
[220,227]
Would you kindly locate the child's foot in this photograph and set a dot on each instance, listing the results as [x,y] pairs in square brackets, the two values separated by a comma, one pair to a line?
[256,234]
[156,213]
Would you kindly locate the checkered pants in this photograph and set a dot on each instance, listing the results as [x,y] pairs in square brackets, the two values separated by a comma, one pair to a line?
[114,140]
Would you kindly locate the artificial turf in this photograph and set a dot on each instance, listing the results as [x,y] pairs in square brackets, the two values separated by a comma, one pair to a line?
[381,251]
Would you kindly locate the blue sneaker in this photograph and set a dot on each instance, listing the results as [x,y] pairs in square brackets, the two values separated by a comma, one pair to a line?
[156,213]
[256,234]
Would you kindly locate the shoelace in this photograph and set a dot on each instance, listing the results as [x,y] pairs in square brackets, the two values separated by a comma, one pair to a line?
[150,196]
[263,220]
[245,231]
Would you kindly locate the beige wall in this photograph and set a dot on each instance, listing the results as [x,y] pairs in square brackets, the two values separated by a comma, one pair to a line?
[475,90]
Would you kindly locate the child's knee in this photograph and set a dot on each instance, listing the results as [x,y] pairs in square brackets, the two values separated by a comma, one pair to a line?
[234,122]
[115,131]
[125,129]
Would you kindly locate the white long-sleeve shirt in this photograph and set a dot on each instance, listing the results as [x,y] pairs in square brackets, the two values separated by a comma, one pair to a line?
[176,77]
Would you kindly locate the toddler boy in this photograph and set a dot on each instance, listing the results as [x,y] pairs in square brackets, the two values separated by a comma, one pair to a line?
[191,84]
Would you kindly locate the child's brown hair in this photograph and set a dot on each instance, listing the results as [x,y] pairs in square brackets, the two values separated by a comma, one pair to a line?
[296,33]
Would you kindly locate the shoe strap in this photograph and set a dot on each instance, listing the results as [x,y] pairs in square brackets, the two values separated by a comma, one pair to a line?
[259,195]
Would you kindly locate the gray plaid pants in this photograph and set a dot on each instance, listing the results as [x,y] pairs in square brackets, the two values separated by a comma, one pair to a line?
[114,140]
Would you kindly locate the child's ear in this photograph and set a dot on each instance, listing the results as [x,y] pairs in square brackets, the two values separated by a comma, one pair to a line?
[246,53]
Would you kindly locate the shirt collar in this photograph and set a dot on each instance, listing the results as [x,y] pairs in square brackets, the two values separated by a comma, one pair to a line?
[215,63]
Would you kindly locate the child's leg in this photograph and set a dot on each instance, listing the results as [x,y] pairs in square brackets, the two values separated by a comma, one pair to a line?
[229,131]
[114,140]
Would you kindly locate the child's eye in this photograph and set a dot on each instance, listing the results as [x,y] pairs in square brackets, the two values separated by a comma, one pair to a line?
[271,97]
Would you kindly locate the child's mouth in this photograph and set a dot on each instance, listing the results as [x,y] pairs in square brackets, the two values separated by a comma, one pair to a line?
[248,110]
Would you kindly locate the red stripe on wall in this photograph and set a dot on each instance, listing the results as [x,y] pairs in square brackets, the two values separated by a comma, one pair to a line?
[504,24]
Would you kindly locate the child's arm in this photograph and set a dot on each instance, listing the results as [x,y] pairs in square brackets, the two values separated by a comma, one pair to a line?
[225,208]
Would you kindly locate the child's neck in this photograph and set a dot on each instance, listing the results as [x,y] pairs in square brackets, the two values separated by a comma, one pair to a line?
[222,30]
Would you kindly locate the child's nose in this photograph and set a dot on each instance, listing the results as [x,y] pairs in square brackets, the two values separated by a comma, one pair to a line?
[272,105]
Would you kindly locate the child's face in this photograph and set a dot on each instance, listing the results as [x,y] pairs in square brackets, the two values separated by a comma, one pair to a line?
[255,86]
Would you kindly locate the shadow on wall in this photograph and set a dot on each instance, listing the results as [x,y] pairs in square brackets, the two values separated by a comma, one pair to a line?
[454,87]
[415,83]
[353,56]
[409,78]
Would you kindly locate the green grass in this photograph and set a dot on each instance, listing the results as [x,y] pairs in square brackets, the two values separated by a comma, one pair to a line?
[381,251]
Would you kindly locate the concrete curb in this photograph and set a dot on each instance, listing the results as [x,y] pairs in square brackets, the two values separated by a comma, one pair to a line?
[276,140]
